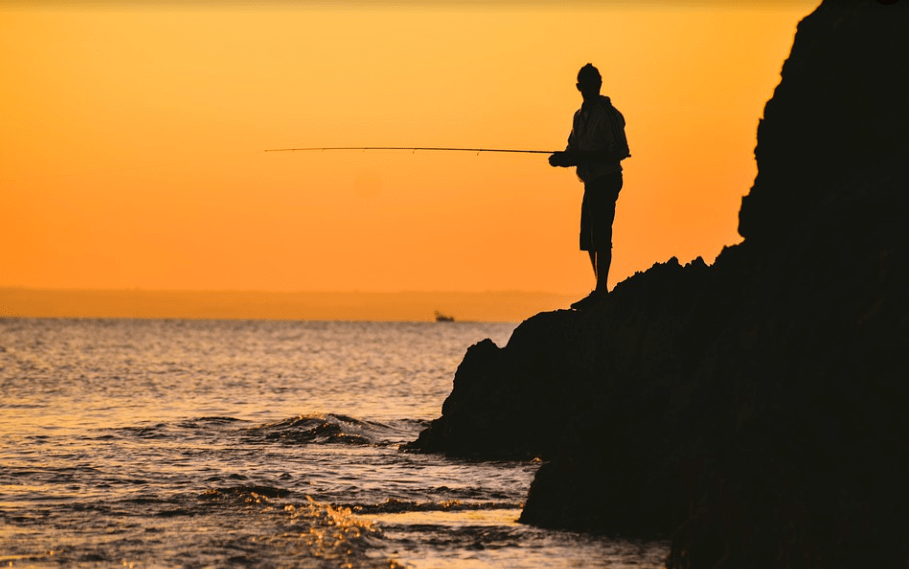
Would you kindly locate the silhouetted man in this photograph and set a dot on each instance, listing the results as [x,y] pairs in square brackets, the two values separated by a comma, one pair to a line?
[597,145]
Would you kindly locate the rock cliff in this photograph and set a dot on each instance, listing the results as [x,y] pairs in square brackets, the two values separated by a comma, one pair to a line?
[755,410]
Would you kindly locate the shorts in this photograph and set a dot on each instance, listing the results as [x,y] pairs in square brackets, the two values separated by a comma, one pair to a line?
[598,212]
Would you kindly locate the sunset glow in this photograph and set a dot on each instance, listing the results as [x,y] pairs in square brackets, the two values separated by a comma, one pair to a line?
[131,149]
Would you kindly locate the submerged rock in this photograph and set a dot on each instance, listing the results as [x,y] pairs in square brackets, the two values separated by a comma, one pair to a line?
[754,410]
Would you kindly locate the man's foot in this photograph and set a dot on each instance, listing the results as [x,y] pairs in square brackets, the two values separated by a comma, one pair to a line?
[589,300]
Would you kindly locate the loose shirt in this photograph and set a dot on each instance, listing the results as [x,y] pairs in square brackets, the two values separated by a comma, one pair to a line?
[599,126]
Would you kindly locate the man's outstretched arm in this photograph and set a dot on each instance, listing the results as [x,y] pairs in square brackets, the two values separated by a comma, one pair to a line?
[568,158]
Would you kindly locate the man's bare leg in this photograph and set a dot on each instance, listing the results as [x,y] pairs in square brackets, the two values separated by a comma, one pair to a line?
[601,269]
[600,264]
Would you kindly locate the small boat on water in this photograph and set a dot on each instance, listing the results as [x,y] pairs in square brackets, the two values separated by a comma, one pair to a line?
[443,317]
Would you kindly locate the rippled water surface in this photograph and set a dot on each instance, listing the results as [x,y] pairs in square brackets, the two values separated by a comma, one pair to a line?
[171,443]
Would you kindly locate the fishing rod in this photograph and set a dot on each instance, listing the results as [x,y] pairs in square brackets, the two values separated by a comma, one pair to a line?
[413,149]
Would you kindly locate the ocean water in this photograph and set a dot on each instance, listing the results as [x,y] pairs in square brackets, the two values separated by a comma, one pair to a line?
[181,443]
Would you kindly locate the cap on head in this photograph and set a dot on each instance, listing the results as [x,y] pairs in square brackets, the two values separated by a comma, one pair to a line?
[589,76]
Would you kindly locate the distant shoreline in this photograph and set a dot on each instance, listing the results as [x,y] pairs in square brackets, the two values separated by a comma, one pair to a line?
[491,306]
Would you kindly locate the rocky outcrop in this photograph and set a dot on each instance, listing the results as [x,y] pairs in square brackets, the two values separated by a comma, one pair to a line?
[754,410]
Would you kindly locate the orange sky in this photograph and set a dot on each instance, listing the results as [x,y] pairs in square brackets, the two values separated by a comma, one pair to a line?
[131,146]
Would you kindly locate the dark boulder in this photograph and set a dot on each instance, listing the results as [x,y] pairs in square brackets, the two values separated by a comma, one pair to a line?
[754,410]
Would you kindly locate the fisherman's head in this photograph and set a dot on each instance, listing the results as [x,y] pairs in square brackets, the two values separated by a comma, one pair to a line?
[589,82]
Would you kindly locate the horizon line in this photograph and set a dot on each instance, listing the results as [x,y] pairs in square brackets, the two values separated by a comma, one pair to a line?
[397,306]
[265,291]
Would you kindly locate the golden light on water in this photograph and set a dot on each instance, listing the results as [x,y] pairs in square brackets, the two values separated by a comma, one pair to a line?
[453,518]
